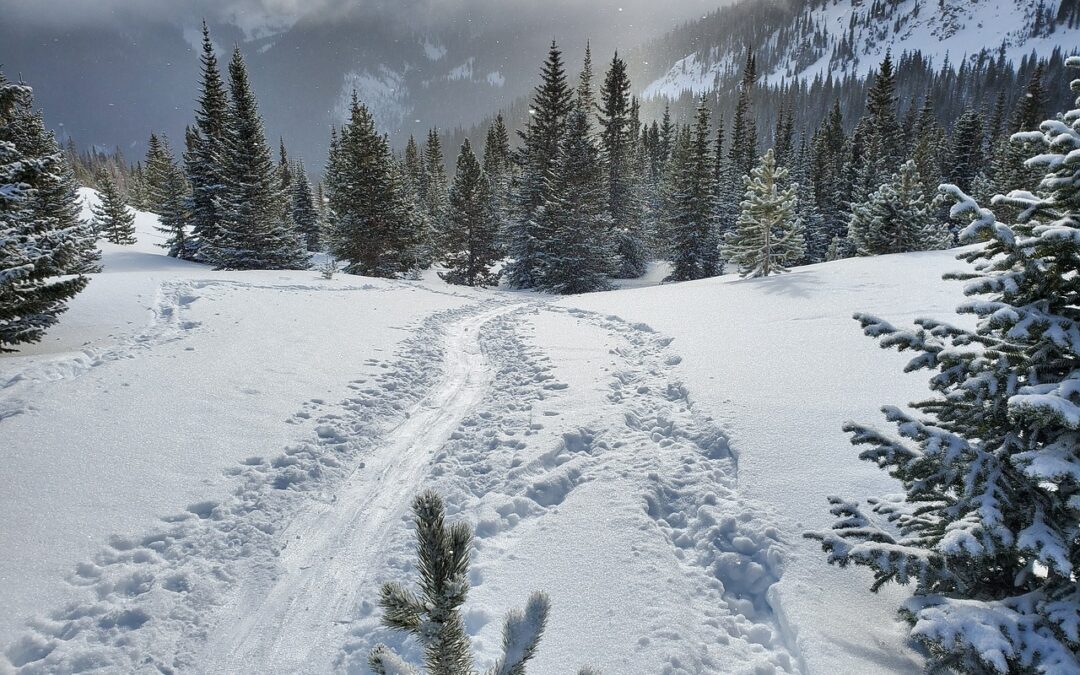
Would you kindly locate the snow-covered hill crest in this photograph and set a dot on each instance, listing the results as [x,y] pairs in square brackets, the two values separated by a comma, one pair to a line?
[817,38]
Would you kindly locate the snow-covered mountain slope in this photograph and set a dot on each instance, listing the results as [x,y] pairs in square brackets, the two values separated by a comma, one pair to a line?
[812,38]
[211,472]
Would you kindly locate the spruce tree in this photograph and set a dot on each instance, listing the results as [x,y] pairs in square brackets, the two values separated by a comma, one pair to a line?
[536,160]
[39,244]
[472,225]
[304,215]
[987,529]
[204,163]
[897,218]
[434,617]
[694,244]
[878,137]
[112,219]
[743,149]
[966,156]
[586,97]
[576,251]
[252,232]
[498,166]
[436,192]
[373,221]
[618,144]
[767,237]
[168,195]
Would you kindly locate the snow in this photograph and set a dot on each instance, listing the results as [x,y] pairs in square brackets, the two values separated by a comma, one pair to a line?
[212,471]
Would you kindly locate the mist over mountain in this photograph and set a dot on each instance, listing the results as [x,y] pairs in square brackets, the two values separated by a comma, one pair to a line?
[110,76]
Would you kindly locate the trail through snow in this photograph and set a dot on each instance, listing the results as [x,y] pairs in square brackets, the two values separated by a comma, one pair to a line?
[332,548]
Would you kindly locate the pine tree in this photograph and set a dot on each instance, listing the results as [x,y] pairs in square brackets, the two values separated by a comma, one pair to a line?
[435,618]
[472,225]
[204,164]
[743,149]
[879,135]
[436,192]
[39,244]
[767,237]
[536,160]
[967,150]
[618,137]
[499,168]
[586,98]
[373,222]
[576,253]
[929,149]
[252,232]
[304,215]
[694,243]
[987,530]
[897,218]
[112,219]
[168,196]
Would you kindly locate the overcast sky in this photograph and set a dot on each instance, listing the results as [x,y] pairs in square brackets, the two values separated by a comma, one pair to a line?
[258,18]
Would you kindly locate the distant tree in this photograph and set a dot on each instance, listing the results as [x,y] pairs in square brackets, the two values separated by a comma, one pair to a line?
[112,219]
[897,218]
[472,225]
[767,237]
[693,240]
[304,215]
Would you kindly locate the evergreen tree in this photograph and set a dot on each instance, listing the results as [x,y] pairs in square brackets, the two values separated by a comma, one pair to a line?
[304,215]
[817,234]
[929,149]
[879,135]
[767,237]
[435,618]
[743,149]
[499,168]
[205,162]
[618,139]
[39,244]
[373,221]
[586,98]
[897,218]
[472,227]
[576,253]
[112,219]
[987,531]
[414,169]
[284,169]
[536,160]
[168,195]
[967,150]
[436,193]
[252,232]
[690,229]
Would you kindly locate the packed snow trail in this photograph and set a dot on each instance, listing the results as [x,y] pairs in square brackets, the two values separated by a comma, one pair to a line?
[333,548]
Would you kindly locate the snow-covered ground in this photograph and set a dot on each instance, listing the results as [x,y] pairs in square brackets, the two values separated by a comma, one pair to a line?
[211,472]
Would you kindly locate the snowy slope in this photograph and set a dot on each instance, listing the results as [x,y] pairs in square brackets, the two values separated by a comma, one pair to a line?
[211,472]
[850,37]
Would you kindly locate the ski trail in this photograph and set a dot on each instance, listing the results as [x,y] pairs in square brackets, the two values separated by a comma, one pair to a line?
[333,550]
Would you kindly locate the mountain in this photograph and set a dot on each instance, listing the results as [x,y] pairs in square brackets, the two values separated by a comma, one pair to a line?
[806,39]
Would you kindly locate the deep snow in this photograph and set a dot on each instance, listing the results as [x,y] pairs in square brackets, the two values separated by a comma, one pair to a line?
[211,472]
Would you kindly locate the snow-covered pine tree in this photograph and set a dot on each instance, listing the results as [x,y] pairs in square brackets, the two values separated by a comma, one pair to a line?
[252,232]
[817,234]
[37,249]
[617,143]
[577,254]
[694,244]
[168,193]
[204,163]
[742,151]
[305,216]
[112,219]
[987,530]
[897,218]
[767,237]
[498,166]
[372,218]
[586,95]
[929,149]
[967,155]
[472,225]
[434,616]
[828,172]
[436,192]
[536,159]
[1009,170]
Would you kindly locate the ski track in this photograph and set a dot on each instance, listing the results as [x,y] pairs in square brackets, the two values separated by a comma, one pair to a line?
[333,549]
[283,576]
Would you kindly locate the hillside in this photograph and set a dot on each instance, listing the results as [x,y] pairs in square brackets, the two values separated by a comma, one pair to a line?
[212,469]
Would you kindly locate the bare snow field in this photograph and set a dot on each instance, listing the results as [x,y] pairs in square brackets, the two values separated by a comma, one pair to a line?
[212,471]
